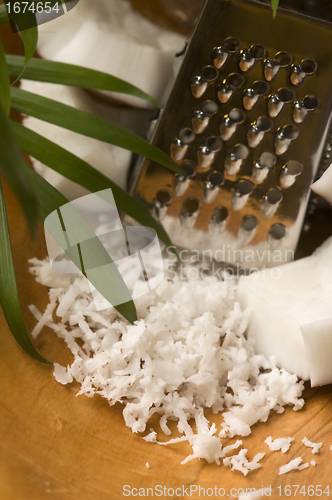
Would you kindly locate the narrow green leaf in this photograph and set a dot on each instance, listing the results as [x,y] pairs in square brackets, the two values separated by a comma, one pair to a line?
[87,124]
[111,284]
[23,20]
[4,82]
[79,171]
[30,40]
[8,290]
[69,74]
[275,4]
[3,14]
[11,163]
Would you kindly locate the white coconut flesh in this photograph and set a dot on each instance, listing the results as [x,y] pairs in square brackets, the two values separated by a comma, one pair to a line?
[291,314]
[323,186]
[110,36]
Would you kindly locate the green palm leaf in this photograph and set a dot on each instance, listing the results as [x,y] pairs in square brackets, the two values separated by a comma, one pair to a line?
[70,74]
[8,290]
[275,4]
[87,124]
[4,83]
[111,284]
[3,15]
[11,163]
[79,171]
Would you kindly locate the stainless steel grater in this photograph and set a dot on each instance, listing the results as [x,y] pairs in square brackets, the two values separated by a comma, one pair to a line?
[248,120]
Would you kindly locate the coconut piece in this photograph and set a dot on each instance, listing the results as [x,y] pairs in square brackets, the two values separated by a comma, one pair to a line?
[293,465]
[111,160]
[317,336]
[284,299]
[315,446]
[282,444]
[323,186]
[110,36]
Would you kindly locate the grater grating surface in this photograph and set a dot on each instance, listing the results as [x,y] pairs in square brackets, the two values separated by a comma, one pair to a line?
[247,119]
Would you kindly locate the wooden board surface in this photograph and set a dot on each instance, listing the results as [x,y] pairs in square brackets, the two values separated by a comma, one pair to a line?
[54,445]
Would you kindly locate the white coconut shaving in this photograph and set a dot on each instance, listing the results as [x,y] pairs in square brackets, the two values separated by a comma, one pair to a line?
[295,464]
[313,463]
[186,352]
[282,444]
[241,463]
[315,446]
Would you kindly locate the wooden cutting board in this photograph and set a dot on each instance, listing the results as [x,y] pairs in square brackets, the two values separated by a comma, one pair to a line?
[54,445]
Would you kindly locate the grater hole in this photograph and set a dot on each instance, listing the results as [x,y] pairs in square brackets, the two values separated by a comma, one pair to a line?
[290,172]
[289,132]
[283,59]
[213,144]
[249,223]
[187,135]
[237,116]
[244,188]
[189,168]
[267,160]
[273,196]
[257,51]
[215,179]
[235,80]
[285,95]
[232,44]
[220,215]
[240,152]
[293,167]
[209,108]
[190,207]
[210,73]
[308,66]
[263,124]
[277,232]
[260,87]
[163,198]
[310,102]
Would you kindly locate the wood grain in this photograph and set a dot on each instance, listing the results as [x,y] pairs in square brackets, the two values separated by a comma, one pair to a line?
[54,445]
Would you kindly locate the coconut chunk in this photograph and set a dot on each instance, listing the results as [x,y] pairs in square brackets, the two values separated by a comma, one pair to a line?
[323,186]
[110,36]
[287,301]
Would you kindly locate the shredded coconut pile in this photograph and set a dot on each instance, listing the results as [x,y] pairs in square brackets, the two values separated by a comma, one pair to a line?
[186,352]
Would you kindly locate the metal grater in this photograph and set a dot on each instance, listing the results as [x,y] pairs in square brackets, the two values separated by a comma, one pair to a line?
[247,120]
